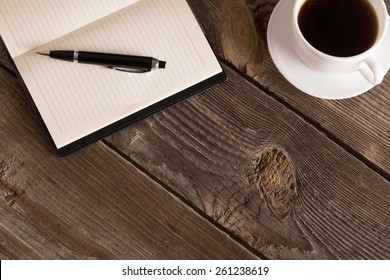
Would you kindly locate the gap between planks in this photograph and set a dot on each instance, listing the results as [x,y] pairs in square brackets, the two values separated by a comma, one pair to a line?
[187,203]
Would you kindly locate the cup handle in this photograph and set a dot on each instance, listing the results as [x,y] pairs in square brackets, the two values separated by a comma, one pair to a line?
[372,71]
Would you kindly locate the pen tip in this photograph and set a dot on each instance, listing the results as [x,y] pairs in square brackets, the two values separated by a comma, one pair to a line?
[161,64]
[43,53]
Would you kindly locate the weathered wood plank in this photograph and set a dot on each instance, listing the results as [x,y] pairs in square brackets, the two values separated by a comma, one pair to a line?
[92,204]
[263,173]
[237,32]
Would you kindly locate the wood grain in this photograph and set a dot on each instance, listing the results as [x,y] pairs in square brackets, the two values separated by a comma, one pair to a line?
[92,204]
[264,174]
[5,61]
[361,125]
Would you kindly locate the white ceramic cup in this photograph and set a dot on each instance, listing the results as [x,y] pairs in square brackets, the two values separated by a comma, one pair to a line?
[366,62]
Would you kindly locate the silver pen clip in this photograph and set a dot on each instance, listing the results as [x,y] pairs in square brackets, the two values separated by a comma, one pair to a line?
[129,70]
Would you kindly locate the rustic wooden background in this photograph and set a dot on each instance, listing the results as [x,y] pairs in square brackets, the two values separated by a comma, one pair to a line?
[252,168]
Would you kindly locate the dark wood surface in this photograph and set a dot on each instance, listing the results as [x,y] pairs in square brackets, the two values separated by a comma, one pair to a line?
[252,168]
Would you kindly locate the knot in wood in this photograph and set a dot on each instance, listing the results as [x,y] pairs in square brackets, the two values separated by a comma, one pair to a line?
[276,181]
[239,36]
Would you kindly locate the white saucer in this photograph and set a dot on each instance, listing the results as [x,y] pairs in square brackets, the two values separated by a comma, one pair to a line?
[319,84]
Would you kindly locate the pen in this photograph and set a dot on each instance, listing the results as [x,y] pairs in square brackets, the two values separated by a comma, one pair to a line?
[120,62]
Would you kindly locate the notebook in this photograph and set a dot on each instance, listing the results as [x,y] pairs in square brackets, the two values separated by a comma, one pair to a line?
[82,103]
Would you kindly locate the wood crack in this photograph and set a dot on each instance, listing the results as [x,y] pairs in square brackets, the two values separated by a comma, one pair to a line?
[185,201]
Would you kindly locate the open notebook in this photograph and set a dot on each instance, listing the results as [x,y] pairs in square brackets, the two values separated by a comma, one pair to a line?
[81,103]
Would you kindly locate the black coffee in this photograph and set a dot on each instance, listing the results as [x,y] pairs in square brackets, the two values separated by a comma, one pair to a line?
[339,27]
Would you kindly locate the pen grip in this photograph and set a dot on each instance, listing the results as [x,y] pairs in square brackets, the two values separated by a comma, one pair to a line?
[115,60]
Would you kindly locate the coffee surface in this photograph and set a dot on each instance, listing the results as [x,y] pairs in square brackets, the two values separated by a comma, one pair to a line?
[339,27]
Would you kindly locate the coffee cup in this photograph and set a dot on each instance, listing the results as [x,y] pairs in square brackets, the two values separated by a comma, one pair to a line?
[317,45]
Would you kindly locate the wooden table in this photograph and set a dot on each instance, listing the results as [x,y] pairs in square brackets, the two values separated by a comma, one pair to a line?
[252,168]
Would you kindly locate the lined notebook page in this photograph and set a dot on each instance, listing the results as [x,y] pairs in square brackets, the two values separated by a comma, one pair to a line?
[77,99]
[26,25]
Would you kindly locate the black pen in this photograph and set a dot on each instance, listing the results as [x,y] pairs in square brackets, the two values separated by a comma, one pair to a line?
[120,62]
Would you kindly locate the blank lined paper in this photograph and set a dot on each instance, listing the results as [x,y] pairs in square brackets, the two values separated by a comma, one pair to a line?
[76,99]
[35,22]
